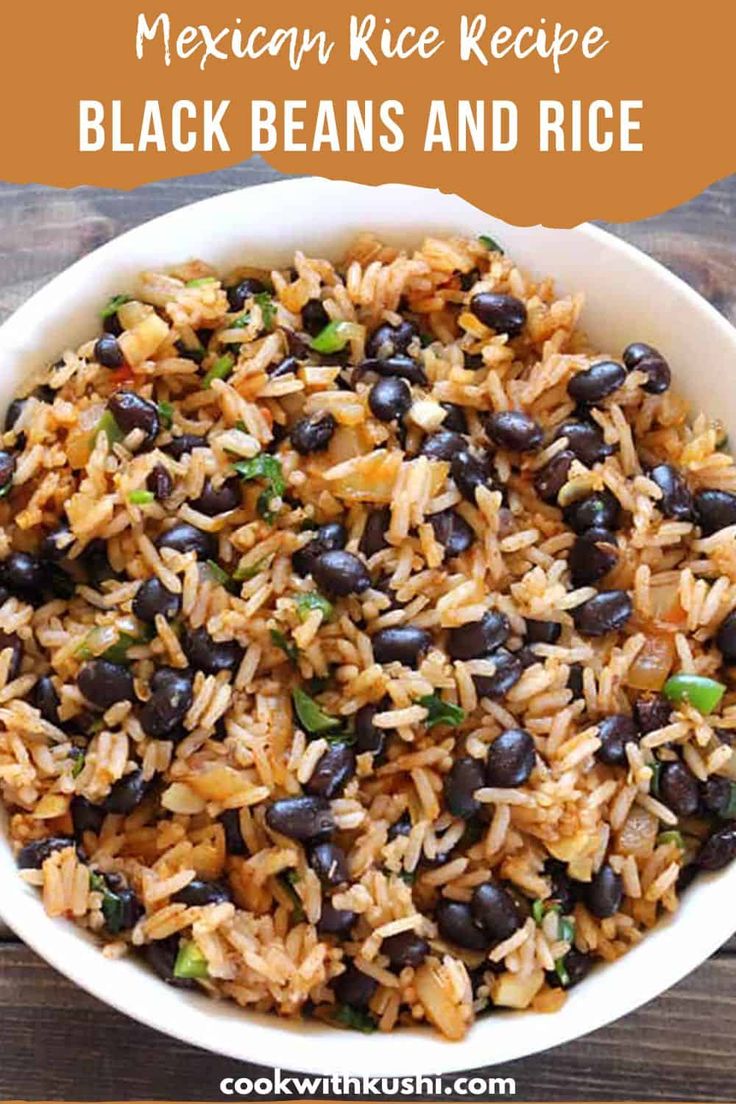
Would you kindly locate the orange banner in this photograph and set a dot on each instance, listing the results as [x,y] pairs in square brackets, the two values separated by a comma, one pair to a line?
[544,112]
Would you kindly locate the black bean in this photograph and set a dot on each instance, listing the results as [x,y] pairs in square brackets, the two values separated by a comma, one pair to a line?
[219,500]
[208,655]
[495,910]
[511,758]
[103,683]
[367,736]
[592,556]
[503,313]
[443,445]
[160,483]
[400,827]
[455,420]
[354,987]
[401,366]
[334,921]
[234,842]
[615,732]
[127,793]
[604,893]
[564,891]
[726,638]
[33,855]
[171,697]
[120,906]
[405,949]
[464,778]
[577,966]
[389,399]
[575,680]
[86,817]
[715,510]
[7,468]
[13,413]
[678,789]
[46,700]
[23,575]
[514,431]
[153,598]
[585,441]
[508,671]
[340,573]
[469,279]
[96,564]
[314,317]
[652,712]
[329,863]
[549,480]
[719,850]
[12,641]
[131,411]
[473,362]
[478,638]
[183,445]
[107,352]
[471,471]
[161,956]
[183,537]
[457,925]
[203,893]
[715,795]
[676,501]
[288,366]
[373,539]
[452,532]
[645,358]
[313,433]
[332,773]
[301,818]
[239,294]
[56,543]
[607,612]
[600,510]
[401,644]
[387,340]
[327,538]
[596,382]
[541,632]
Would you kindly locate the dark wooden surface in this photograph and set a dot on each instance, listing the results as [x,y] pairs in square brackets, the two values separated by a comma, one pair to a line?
[58,1042]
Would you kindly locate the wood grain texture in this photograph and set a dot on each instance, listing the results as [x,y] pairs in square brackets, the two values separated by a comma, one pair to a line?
[58,1041]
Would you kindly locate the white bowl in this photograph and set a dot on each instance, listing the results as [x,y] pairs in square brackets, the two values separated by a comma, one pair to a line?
[629,297]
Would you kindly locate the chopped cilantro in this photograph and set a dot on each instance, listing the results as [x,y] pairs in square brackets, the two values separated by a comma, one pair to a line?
[490,243]
[311,715]
[201,281]
[166,414]
[441,712]
[267,468]
[357,1019]
[305,603]
[221,369]
[110,427]
[113,305]
[287,646]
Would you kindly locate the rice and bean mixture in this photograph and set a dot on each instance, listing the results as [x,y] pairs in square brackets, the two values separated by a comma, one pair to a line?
[365,637]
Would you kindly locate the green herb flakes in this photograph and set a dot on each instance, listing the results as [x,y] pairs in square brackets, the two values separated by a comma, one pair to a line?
[440,712]
[311,715]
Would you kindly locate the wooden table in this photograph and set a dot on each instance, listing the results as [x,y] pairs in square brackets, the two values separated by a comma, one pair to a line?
[57,1041]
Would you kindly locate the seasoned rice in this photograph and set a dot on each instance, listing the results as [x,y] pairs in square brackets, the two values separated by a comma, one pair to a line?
[249,726]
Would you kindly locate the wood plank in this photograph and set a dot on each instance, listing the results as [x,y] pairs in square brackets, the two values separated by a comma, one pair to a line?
[60,1042]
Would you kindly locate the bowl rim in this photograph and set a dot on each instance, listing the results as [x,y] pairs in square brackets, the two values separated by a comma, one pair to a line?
[317,1051]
